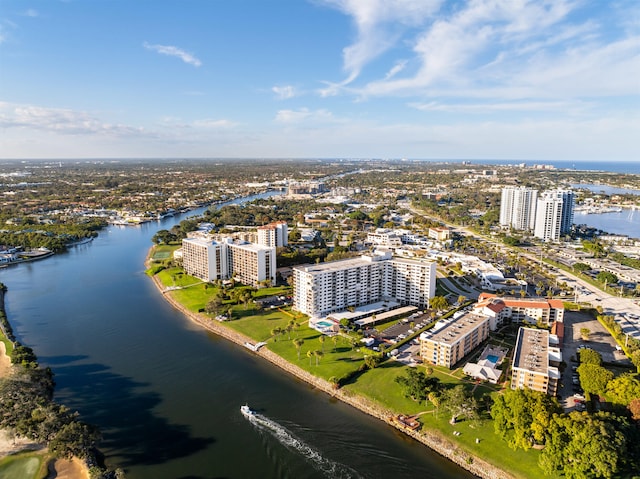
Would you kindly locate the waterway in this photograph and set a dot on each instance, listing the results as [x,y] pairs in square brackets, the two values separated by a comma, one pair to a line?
[625,222]
[166,394]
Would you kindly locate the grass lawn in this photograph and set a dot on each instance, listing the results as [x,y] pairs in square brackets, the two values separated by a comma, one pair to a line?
[338,358]
[23,466]
[379,385]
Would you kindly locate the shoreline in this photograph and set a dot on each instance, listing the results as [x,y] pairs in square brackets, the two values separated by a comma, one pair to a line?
[432,439]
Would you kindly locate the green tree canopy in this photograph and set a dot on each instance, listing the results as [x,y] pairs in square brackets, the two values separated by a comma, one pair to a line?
[594,378]
[583,446]
[606,277]
[458,402]
[623,389]
[590,356]
[417,385]
[439,303]
[522,417]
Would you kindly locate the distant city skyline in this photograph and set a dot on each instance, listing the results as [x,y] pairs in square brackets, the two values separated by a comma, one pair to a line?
[536,80]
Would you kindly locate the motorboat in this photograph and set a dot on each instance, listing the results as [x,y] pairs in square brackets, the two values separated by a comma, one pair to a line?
[247,411]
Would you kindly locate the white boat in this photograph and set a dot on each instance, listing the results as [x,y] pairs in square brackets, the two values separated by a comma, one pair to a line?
[247,411]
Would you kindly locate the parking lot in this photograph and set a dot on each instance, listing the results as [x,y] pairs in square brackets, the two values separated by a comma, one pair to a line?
[599,340]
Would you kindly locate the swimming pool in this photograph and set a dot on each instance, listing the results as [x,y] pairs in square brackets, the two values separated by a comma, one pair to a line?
[493,358]
[324,324]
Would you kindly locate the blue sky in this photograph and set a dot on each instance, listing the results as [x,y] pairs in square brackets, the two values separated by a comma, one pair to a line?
[463,79]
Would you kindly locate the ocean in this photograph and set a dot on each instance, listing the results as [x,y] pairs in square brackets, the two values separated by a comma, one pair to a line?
[632,167]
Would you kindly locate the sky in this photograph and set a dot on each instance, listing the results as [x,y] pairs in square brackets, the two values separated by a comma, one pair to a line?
[419,79]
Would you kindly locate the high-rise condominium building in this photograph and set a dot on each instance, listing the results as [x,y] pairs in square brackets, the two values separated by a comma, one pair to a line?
[324,288]
[518,207]
[274,234]
[211,260]
[554,214]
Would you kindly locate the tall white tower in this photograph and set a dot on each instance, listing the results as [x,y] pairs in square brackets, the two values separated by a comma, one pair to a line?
[518,207]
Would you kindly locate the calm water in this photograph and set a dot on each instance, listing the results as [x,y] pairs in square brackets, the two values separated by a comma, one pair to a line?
[166,394]
[626,222]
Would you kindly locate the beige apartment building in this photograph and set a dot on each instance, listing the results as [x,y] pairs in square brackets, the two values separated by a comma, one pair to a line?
[532,358]
[521,310]
[211,260]
[452,339]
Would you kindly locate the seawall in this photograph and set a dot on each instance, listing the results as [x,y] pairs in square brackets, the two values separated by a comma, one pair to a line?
[432,439]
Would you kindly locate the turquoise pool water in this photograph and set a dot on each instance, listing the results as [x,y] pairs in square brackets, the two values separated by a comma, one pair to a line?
[493,358]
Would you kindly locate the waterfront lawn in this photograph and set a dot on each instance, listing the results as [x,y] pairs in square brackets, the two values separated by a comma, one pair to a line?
[338,360]
[379,386]
[23,466]
[273,291]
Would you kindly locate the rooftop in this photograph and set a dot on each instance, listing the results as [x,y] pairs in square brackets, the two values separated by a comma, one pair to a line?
[451,330]
[532,350]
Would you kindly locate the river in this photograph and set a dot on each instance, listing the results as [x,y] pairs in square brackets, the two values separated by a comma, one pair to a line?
[166,394]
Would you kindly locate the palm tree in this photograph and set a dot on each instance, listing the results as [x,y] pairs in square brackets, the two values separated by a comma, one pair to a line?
[310,355]
[334,338]
[322,339]
[276,332]
[298,342]
[318,355]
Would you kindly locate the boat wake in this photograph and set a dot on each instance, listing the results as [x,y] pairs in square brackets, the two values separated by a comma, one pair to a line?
[326,466]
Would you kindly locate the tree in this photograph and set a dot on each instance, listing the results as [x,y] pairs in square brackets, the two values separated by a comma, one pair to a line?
[213,305]
[434,397]
[310,356]
[459,402]
[583,446]
[74,439]
[590,356]
[439,303]
[594,378]
[371,361]
[623,389]
[584,333]
[581,267]
[522,416]
[635,359]
[322,339]
[606,277]
[318,355]
[417,385]
[298,342]
[275,332]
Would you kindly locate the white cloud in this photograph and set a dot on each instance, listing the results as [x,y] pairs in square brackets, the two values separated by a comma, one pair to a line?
[397,68]
[379,25]
[31,13]
[284,92]
[498,49]
[62,121]
[213,124]
[302,115]
[524,106]
[174,52]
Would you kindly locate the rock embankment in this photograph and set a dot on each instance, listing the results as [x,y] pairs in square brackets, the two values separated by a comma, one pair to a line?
[433,440]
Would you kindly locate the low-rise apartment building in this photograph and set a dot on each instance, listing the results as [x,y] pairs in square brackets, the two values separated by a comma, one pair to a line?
[451,340]
[521,310]
[531,367]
